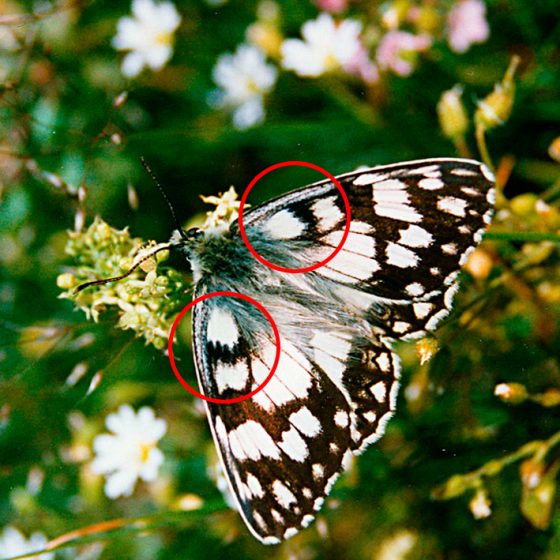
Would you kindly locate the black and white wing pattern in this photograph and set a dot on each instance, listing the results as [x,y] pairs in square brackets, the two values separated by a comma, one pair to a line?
[412,226]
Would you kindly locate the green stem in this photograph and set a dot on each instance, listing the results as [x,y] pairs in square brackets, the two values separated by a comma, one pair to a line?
[482,147]
[138,524]
[492,468]
[522,236]
[340,93]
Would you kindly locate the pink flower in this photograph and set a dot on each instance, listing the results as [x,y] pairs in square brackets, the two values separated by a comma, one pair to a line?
[397,51]
[332,6]
[466,25]
[361,66]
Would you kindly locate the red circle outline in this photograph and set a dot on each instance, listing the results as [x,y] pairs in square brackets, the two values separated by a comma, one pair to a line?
[200,299]
[337,184]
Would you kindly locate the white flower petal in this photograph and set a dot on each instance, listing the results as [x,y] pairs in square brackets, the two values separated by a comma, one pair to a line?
[148,35]
[168,17]
[143,9]
[158,56]
[249,114]
[150,468]
[244,78]
[120,421]
[120,483]
[327,46]
[130,452]
[13,543]
[301,58]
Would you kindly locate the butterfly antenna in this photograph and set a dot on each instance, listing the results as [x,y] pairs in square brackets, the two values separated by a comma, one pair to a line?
[164,194]
[127,273]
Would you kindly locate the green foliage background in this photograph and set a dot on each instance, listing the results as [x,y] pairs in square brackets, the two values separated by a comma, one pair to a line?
[57,116]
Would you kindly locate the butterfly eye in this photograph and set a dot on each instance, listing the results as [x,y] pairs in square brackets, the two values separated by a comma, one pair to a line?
[194,233]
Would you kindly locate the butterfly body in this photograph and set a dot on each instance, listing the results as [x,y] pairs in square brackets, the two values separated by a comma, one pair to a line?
[411,227]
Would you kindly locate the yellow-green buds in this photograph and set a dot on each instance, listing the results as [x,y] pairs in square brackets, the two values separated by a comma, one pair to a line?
[495,108]
[452,115]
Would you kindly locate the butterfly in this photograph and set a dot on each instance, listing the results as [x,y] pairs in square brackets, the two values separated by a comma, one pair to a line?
[412,226]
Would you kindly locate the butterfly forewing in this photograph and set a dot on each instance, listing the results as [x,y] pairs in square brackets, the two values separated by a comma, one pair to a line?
[412,226]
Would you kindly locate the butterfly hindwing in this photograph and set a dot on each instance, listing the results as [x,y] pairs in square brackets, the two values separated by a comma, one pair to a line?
[282,448]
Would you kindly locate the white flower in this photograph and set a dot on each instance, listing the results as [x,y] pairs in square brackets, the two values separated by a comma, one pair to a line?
[327,46]
[130,452]
[13,543]
[397,51]
[466,25]
[245,78]
[148,35]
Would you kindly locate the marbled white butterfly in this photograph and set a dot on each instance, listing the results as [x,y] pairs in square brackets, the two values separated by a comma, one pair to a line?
[412,226]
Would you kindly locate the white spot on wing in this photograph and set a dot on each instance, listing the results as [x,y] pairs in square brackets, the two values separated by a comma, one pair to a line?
[305,422]
[341,418]
[284,225]
[283,494]
[337,345]
[327,213]
[430,184]
[251,441]
[365,179]
[292,378]
[469,191]
[260,521]
[328,272]
[383,362]
[231,376]
[449,295]
[415,236]
[358,266]
[422,309]
[449,248]
[379,391]
[452,205]
[307,519]
[222,328]
[255,486]
[487,173]
[290,532]
[318,471]
[329,354]
[360,227]
[293,445]
[414,289]
[392,201]
[431,324]
[397,255]
[400,327]
[428,171]
[355,243]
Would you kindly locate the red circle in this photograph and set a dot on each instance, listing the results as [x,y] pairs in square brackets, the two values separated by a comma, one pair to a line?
[200,299]
[337,184]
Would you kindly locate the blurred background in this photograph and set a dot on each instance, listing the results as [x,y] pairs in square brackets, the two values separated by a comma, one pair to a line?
[210,93]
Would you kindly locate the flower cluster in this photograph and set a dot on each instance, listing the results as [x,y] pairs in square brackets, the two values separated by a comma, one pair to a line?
[360,47]
[146,300]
